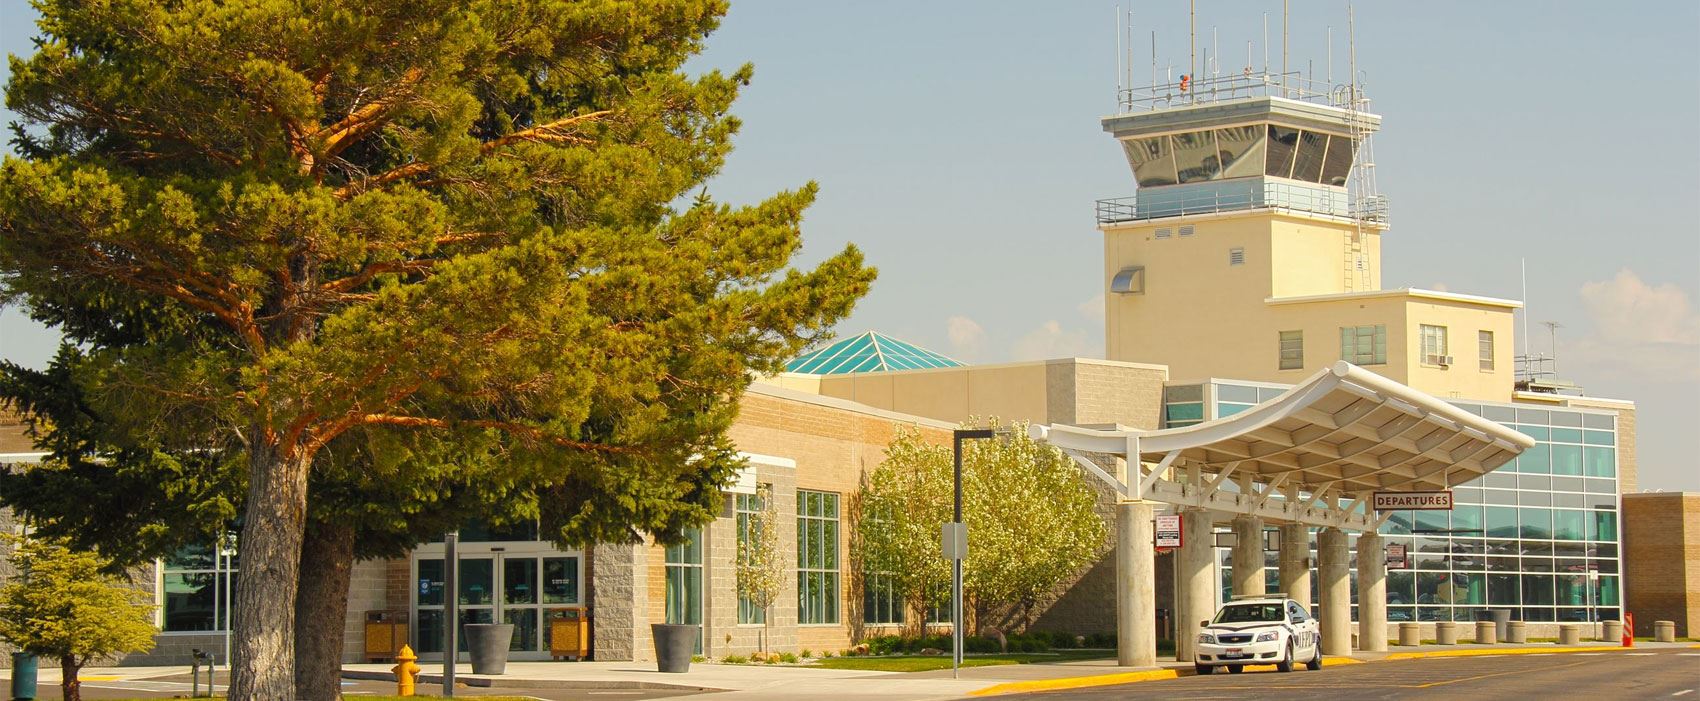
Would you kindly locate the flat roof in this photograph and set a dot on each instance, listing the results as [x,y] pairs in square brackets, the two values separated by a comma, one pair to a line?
[1401,292]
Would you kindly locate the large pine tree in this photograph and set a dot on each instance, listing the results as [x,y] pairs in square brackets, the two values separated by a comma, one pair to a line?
[444,227]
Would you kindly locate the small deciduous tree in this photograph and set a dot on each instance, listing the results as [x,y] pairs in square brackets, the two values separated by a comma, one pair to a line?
[66,606]
[1032,520]
[761,568]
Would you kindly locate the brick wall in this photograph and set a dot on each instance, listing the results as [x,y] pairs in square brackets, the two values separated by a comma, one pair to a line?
[1661,560]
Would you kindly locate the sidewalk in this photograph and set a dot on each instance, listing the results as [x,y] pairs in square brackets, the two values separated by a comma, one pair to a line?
[764,682]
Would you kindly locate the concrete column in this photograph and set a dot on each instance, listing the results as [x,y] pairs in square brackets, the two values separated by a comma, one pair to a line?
[1195,592]
[1334,592]
[1136,568]
[1372,593]
[1295,563]
[1248,555]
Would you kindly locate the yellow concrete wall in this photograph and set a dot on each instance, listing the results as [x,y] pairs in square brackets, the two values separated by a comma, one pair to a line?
[1309,258]
[1464,378]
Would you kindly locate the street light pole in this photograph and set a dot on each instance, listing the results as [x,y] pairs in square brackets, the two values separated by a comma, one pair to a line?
[451,610]
[956,623]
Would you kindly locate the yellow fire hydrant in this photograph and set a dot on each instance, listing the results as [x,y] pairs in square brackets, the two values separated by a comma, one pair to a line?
[404,670]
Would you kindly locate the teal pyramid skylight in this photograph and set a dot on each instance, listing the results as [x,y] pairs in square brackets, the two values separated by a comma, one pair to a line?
[868,352]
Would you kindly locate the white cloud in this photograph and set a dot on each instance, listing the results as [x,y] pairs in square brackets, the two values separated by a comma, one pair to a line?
[1093,309]
[967,337]
[1639,329]
[1051,340]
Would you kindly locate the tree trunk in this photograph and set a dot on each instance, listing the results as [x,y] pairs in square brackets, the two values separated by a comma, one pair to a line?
[70,688]
[321,608]
[275,517]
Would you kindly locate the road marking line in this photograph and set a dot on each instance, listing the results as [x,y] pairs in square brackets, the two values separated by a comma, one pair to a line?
[1642,654]
[1486,676]
[1684,691]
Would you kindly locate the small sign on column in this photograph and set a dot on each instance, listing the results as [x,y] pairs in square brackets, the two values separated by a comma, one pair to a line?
[1168,531]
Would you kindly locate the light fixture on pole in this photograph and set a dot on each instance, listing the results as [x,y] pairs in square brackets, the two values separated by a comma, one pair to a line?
[955,544]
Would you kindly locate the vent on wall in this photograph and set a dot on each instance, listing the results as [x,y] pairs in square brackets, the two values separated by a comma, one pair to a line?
[1186,230]
[1163,233]
[1236,256]
[1130,281]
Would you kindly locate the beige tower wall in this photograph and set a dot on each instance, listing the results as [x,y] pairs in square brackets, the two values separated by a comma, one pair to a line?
[1068,390]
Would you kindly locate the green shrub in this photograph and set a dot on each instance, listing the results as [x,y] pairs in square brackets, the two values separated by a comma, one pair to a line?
[980,644]
[828,653]
[734,659]
[698,658]
[884,644]
[1101,640]
[807,653]
[787,658]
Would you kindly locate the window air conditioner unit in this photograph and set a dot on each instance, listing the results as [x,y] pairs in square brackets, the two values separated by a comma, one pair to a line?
[1445,360]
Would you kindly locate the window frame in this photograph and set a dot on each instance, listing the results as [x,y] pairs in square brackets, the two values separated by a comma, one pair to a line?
[818,576]
[224,570]
[1290,358]
[745,507]
[1350,341]
[1432,355]
[1484,351]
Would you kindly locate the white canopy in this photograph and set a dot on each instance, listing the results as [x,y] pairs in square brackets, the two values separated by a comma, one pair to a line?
[1341,434]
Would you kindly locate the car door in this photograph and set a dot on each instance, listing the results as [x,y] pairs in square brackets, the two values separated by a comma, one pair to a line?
[1304,628]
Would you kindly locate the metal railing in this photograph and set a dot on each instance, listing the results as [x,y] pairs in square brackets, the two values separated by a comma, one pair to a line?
[1372,210]
[1291,86]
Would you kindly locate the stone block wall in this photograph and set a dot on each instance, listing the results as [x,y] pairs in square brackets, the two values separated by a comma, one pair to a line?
[1661,560]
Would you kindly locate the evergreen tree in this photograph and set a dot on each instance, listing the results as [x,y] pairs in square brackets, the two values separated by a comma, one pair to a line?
[64,605]
[441,227]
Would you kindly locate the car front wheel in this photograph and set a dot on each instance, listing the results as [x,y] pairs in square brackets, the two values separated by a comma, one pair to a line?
[1286,663]
[1315,662]
[1235,669]
[1203,669]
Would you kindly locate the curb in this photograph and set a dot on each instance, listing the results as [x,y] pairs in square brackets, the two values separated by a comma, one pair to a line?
[552,684]
[1482,652]
[1118,678]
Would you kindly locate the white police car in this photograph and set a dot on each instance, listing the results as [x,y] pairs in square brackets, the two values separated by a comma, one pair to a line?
[1261,630]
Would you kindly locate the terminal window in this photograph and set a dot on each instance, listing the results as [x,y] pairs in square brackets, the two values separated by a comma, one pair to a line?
[1292,350]
[1364,345]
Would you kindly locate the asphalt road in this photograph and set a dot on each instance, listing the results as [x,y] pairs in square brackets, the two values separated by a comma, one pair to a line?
[1672,674]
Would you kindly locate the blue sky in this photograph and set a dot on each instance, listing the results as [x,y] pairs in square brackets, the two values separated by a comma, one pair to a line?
[958,144]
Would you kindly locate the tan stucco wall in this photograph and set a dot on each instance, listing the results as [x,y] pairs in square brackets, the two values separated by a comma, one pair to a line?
[1067,390]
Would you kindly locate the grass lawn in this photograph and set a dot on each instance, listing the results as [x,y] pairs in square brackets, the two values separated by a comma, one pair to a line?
[924,663]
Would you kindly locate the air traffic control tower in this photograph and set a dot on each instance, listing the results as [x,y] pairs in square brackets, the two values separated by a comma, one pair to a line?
[1253,247]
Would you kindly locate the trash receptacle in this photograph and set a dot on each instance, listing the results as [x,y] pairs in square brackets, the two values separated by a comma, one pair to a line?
[23,676]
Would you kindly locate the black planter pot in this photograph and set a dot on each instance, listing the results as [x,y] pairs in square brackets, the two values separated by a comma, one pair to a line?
[487,644]
[674,645]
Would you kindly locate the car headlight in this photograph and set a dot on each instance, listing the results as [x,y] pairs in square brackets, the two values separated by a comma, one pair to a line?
[1268,636]
[1206,638]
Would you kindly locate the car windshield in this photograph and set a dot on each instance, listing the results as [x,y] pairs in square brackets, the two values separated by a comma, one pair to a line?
[1251,613]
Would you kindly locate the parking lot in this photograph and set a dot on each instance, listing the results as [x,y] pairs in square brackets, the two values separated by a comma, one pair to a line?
[1663,674]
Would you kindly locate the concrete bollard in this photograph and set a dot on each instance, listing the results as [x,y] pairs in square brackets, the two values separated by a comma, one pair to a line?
[1446,633]
[1569,634]
[1486,632]
[1410,634]
[1611,631]
[1516,632]
[1664,631]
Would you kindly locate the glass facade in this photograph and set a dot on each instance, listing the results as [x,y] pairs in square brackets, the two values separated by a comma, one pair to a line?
[1538,536]
[1239,152]
[817,557]
[747,508]
[195,590]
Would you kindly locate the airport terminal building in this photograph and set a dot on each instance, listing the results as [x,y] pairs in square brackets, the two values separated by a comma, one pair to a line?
[1242,283]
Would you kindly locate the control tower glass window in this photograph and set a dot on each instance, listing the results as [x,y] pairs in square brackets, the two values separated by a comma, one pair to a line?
[1196,156]
[1241,151]
[1307,165]
[1153,161]
[1283,142]
[1337,164]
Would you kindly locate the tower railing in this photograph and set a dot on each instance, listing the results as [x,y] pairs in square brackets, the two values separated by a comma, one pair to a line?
[1248,83]
[1371,210]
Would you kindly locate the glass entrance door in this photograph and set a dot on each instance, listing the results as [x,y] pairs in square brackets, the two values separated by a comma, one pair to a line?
[517,583]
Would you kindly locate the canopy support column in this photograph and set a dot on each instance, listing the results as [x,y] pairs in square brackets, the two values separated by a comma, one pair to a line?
[1136,573]
[1248,556]
[1372,593]
[1195,589]
[1334,591]
[1295,563]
